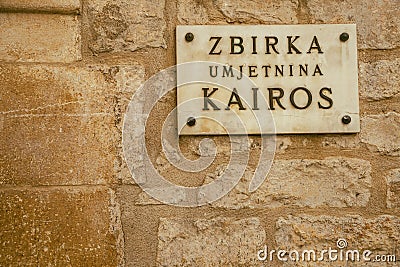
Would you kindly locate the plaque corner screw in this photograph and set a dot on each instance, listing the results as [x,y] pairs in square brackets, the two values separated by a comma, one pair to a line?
[344,37]
[189,37]
[346,119]
[191,121]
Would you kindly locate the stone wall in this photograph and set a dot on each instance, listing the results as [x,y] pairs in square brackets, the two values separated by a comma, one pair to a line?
[67,71]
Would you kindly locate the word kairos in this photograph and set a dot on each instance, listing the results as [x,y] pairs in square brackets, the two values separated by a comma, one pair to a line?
[274,96]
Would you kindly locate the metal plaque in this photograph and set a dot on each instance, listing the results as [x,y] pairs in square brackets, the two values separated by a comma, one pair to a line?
[263,79]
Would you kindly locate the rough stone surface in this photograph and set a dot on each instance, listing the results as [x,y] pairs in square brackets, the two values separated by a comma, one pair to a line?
[381,235]
[282,143]
[258,11]
[126,25]
[54,150]
[350,141]
[58,227]
[393,189]
[378,23]
[39,38]
[58,124]
[53,6]
[332,182]
[220,241]
[47,89]
[380,79]
[382,133]
[192,12]
[140,239]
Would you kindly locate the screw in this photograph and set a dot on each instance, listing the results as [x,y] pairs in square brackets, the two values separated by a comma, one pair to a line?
[189,37]
[346,119]
[344,37]
[191,121]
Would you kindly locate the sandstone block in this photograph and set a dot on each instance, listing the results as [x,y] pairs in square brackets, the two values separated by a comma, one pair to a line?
[59,124]
[52,6]
[378,23]
[382,133]
[350,141]
[275,12]
[39,38]
[209,242]
[380,80]
[59,227]
[58,149]
[126,25]
[332,182]
[393,189]
[192,12]
[380,235]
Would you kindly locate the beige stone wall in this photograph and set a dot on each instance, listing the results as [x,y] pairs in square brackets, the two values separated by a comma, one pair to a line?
[67,71]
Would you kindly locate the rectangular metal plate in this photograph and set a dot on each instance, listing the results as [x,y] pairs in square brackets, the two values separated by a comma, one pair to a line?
[303,79]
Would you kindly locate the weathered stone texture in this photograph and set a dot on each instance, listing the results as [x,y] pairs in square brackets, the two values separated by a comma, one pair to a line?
[53,6]
[59,123]
[192,12]
[220,241]
[380,79]
[332,182]
[258,11]
[58,227]
[378,22]
[382,133]
[57,149]
[39,38]
[45,89]
[350,141]
[393,189]
[381,235]
[126,25]
[282,143]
